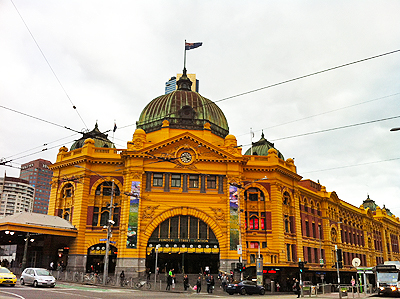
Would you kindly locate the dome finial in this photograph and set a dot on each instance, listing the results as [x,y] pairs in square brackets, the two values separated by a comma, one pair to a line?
[184,82]
[262,133]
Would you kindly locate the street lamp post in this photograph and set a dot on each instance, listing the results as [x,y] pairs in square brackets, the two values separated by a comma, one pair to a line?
[109,225]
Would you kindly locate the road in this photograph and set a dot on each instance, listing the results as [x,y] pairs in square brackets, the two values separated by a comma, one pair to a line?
[69,290]
[64,291]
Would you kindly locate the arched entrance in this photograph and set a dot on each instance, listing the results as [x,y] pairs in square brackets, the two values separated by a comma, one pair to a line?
[95,258]
[186,244]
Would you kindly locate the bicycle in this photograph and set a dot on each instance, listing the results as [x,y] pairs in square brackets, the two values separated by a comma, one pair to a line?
[111,280]
[125,282]
[142,284]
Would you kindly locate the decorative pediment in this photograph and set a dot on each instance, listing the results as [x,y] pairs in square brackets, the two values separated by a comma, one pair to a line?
[186,149]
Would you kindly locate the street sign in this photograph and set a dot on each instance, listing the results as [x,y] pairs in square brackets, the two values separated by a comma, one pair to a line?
[103,239]
[239,249]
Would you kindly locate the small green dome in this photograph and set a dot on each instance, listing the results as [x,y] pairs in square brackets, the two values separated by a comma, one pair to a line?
[100,139]
[261,148]
[184,109]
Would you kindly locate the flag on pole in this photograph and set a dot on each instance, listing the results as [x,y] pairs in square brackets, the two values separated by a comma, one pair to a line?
[189,46]
[115,127]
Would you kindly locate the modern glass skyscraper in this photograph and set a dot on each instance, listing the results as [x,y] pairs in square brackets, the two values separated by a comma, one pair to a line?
[38,174]
[170,85]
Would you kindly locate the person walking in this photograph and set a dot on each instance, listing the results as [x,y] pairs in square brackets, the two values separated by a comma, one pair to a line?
[224,280]
[212,283]
[122,278]
[208,282]
[297,288]
[169,283]
[198,284]
[186,282]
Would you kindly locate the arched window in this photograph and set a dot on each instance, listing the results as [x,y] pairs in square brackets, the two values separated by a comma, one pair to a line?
[105,189]
[254,194]
[253,221]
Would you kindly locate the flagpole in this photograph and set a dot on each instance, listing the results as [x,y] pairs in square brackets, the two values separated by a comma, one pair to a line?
[251,141]
[184,59]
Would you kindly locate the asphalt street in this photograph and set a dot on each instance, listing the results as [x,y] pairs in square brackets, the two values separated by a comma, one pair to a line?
[70,290]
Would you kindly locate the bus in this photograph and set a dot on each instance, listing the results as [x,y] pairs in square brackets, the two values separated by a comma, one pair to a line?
[387,277]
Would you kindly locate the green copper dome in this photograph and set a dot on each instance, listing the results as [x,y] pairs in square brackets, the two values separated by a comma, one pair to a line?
[184,109]
[261,147]
[100,139]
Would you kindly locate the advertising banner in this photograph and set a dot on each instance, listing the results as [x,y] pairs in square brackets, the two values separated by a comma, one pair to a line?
[234,217]
[131,241]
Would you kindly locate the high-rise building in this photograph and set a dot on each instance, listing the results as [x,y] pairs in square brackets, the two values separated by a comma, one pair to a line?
[38,174]
[16,196]
[171,86]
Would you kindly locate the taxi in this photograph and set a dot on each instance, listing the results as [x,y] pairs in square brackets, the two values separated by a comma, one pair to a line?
[7,277]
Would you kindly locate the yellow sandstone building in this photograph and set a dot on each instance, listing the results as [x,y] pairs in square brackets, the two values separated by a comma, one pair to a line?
[183,184]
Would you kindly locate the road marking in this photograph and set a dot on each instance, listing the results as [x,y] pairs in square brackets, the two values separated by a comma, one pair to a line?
[19,296]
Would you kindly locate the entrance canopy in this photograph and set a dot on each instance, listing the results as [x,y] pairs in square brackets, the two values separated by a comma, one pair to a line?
[38,223]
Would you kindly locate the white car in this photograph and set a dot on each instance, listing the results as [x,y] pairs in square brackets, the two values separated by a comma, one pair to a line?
[37,277]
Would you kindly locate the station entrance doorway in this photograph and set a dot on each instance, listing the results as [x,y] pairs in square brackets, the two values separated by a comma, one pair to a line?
[186,244]
[95,258]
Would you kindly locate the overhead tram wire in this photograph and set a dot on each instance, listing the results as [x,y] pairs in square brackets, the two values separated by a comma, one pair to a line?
[280,83]
[354,165]
[3,163]
[48,63]
[41,119]
[44,144]
[331,129]
[322,113]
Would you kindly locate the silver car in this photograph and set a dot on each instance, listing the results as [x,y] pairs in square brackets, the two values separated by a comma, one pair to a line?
[37,277]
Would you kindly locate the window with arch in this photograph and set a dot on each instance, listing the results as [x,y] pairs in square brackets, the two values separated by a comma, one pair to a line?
[254,194]
[66,202]
[105,189]
[287,223]
[101,210]
[253,221]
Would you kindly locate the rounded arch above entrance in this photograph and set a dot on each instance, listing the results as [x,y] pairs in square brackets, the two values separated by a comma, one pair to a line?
[185,211]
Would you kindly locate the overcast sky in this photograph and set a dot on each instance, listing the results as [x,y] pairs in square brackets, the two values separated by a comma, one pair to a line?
[110,58]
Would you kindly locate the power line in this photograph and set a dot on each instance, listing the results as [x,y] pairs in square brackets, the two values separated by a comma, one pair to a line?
[46,121]
[44,144]
[281,83]
[337,128]
[322,113]
[331,129]
[48,63]
[348,166]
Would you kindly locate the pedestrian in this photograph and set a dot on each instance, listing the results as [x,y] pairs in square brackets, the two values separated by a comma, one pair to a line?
[169,282]
[297,288]
[198,284]
[208,282]
[122,278]
[278,286]
[186,282]
[51,265]
[224,282]
[207,270]
[173,281]
[212,284]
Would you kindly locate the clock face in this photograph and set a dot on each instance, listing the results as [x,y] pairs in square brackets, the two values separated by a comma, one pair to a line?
[186,157]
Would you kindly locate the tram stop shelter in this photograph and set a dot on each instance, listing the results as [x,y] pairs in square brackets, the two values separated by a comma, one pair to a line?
[43,238]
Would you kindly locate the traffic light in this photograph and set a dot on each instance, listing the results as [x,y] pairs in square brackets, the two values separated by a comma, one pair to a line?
[239,267]
[339,255]
[301,266]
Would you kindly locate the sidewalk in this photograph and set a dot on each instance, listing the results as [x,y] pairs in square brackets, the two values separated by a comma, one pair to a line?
[217,291]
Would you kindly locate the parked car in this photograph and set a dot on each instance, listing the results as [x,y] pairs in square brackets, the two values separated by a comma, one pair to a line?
[37,277]
[245,287]
[7,277]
